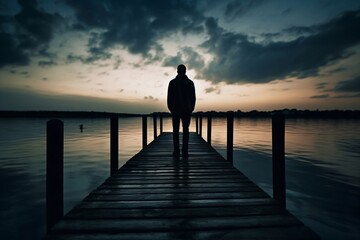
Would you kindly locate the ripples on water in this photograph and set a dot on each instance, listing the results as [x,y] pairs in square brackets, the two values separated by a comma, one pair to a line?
[322,167]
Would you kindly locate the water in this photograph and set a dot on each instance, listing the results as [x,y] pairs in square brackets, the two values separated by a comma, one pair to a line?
[322,167]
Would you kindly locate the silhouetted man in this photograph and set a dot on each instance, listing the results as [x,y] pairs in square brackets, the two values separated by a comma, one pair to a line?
[181,102]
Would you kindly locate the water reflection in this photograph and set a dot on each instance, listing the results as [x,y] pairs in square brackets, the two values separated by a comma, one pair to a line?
[322,167]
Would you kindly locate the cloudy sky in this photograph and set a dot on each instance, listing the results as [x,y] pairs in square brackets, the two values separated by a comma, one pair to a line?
[119,56]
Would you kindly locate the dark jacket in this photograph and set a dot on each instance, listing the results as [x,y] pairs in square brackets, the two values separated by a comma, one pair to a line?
[181,95]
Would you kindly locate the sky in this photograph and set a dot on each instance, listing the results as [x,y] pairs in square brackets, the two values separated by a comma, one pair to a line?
[119,55]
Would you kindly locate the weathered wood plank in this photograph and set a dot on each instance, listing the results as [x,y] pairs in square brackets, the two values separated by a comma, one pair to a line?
[176,190]
[170,177]
[176,203]
[95,196]
[177,185]
[259,233]
[101,213]
[177,181]
[176,224]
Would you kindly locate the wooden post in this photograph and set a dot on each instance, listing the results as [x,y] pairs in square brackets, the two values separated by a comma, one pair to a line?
[161,123]
[155,125]
[114,144]
[278,156]
[209,129]
[54,172]
[200,125]
[144,131]
[230,135]
[197,123]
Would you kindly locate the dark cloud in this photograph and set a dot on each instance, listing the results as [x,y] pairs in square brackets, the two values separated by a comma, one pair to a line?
[237,8]
[187,56]
[151,98]
[173,61]
[299,31]
[320,96]
[238,59]
[352,85]
[212,89]
[95,54]
[136,25]
[26,34]
[348,96]
[321,86]
[286,11]
[47,63]
[10,54]
[339,69]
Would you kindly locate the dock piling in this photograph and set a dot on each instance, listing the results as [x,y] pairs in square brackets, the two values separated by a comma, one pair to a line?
[144,131]
[230,136]
[278,157]
[54,172]
[200,125]
[114,144]
[197,123]
[155,125]
[161,123]
[209,128]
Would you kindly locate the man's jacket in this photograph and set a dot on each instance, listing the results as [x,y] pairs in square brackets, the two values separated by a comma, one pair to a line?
[181,95]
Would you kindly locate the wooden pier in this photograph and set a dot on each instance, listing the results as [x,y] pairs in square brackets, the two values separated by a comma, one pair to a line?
[156,196]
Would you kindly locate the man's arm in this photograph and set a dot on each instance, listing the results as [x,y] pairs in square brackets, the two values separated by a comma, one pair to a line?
[193,96]
[170,97]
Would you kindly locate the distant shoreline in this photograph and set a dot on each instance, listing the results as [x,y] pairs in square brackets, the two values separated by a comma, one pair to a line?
[62,114]
[289,113]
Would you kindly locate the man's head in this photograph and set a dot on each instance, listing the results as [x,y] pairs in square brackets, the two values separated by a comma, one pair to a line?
[181,69]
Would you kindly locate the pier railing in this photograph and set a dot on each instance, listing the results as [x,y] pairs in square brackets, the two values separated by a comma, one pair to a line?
[55,155]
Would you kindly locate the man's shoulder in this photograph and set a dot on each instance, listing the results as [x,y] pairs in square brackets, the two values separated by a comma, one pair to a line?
[172,81]
[181,81]
[190,81]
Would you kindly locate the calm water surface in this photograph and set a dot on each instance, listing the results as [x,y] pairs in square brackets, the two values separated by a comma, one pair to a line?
[322,167]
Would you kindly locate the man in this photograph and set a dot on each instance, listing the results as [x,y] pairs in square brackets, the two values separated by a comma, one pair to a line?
[181,103]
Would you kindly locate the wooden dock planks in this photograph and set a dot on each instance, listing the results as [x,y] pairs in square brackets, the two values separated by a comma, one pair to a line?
[154,196]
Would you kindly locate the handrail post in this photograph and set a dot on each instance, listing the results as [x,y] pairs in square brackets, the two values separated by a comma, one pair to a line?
[54,172]
[144,131]
[209,128]
[114,144]
[200,125]
[230,135]
[161,123]
[155,125]
[197,123]
[278,158]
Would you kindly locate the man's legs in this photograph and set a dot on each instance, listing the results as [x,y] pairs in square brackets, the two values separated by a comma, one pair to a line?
[185,119]
[176,124]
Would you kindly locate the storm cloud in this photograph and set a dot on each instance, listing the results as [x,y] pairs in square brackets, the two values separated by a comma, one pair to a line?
[351,85]
[187,55]
[236,8]
[238,59]
[26,34]
[136,25]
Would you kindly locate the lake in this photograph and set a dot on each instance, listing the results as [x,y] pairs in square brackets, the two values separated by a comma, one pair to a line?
[322,167]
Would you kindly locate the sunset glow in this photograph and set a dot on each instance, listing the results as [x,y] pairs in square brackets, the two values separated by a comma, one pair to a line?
[120,55]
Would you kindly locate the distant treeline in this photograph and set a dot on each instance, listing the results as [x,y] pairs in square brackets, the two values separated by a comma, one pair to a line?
[289,113]
[63,114]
